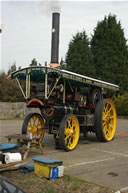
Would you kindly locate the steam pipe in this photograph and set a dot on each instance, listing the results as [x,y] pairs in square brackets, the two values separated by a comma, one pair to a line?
[55,38]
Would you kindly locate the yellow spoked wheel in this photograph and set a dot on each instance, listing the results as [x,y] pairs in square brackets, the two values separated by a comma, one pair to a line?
[34,124]
[69,132]
[105,120]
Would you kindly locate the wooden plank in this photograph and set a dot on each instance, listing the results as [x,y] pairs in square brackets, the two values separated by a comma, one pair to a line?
[11,166]
[19,137]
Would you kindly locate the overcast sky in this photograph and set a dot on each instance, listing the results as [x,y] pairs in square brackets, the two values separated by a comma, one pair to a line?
[27,26]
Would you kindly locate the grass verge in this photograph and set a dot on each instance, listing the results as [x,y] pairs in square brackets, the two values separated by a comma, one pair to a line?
[32,183]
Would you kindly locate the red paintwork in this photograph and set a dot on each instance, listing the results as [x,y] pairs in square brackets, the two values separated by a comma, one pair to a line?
[35,103]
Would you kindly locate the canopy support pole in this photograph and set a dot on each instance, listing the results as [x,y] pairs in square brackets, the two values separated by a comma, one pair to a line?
[20,88]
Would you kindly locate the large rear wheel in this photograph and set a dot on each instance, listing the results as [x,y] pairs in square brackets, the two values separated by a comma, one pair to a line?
[105,120]
[34,124]
[69,132]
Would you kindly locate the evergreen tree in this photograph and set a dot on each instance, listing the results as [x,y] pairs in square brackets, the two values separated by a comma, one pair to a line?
[62,64]
[12,68]
[110,52]
[33,62]
[79,58]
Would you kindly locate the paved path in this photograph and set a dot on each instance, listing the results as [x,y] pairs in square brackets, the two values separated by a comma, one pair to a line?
[102,163]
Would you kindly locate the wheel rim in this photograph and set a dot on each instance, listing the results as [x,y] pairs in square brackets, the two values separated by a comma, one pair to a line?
[35,125]
[71,132]
[109,121]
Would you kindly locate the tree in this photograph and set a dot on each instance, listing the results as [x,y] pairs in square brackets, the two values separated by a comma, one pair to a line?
[79,58]
[110,52]
[121,102]
[62,64]
[33,62]
[12,68]
[9,90]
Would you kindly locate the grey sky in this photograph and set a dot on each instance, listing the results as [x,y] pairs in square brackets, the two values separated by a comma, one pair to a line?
[27,26]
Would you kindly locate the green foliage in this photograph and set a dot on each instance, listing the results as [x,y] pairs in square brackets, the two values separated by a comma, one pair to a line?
[9,90]
[110,52]
[121,103]
[33,62]
[62,64]
[68,178]
[12,68]
[76,182]
[50,189]
[79,58]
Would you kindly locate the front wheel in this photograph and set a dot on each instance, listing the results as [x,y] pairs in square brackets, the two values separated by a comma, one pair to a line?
[105,120]
[34,124]
[69,132]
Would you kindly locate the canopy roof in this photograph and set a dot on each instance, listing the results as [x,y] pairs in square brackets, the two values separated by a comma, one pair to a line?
[37,74]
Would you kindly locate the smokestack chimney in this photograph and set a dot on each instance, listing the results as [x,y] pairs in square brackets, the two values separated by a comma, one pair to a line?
[55,40]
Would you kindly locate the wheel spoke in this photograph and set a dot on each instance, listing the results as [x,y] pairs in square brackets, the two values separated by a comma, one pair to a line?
[69,141]
[67,136]
[104,111]
[110,110]
[104,124]
[108,131]
[108,134]
[31,122]
[111,126]
[67,130]
[104,115]
[105,131]
[74,129]
[33,119]
[69,125]
[37,121]
[73,124]
[106,108]
[111,117]
[39,124]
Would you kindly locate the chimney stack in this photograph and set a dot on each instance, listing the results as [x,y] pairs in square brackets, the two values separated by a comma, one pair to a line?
[55,40]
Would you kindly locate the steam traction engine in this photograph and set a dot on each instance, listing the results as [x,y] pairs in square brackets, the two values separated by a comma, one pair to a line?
[69,103]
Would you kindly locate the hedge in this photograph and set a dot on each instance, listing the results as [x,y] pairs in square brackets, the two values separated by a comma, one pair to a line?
[121,103]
